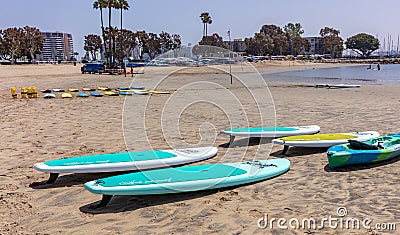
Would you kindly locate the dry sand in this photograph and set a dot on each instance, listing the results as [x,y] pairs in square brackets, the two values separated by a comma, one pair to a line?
[36,130]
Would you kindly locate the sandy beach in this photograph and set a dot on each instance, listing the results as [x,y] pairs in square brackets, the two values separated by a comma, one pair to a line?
[36,130]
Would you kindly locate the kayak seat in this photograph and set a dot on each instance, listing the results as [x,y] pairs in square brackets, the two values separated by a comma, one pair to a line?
[358,145]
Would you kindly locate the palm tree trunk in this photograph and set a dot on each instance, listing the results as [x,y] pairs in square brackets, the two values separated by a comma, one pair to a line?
[121,18]
[102,31]
[110,37]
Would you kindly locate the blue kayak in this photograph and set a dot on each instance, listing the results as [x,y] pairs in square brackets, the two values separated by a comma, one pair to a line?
[364,152]
[82,94]
[96,94]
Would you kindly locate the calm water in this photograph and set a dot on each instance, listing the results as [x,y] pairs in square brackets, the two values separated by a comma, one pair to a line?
[389,73]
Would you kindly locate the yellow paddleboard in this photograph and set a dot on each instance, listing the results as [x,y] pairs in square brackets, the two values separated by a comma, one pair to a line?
[324,140]
[318,137]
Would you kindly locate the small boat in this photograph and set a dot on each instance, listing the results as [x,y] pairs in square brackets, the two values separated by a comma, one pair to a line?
[141,92]
[82,94]
[58,90]
[120,88]
[46,91]
[88,89]
[66,95]
[104,88]
[49,96]
[159,92]
[73,90]
[125,93]
[96,94]
[110,93]
[364,152]
[137,87]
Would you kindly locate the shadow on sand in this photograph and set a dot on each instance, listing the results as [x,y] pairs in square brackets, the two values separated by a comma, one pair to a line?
[298,151]
[244,142]
[130,203]
[72,179]
[361,167]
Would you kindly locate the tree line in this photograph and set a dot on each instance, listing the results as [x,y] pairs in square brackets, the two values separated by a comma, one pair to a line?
[124,42]
[16,43]
[274,40]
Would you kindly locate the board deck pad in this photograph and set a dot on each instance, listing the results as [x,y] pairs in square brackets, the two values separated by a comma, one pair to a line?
[111,158]
[261,129]
[316,137]
[189,173]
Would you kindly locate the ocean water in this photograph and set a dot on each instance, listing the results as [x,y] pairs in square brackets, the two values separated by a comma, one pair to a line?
[389,73]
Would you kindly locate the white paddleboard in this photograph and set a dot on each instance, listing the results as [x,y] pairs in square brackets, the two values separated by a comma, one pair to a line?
[271,131]
[124,161]
[338,85]
[324,140]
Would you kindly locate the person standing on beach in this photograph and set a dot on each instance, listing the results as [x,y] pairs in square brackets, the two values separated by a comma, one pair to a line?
[378,66]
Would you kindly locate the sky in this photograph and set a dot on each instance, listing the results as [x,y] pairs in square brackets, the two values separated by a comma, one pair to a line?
[244,18]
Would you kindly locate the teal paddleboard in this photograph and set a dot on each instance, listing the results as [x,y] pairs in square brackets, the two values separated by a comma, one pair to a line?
[187,178]
[124,161]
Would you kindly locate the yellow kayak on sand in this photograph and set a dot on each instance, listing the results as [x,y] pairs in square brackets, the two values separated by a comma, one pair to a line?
[110,93]
[104,88]
[66,95]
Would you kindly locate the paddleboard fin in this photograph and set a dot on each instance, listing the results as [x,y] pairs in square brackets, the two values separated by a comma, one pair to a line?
[231,140]
[104,201]
[285,149]
[53,177]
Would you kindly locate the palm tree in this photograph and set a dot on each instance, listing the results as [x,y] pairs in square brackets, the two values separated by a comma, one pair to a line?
[206,19]
[122,5]
[101,4]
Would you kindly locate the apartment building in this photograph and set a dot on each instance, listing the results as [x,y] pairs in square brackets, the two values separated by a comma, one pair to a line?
[57,46]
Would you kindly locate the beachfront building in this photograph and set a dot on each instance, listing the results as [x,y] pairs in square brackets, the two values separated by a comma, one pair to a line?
[316,45]
[57,46]
[237,45]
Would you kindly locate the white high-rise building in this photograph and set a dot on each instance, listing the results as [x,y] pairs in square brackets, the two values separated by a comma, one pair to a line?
[57,46]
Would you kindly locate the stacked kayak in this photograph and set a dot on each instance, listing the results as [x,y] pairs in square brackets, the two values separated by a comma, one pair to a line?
[363,152]
[322,140]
